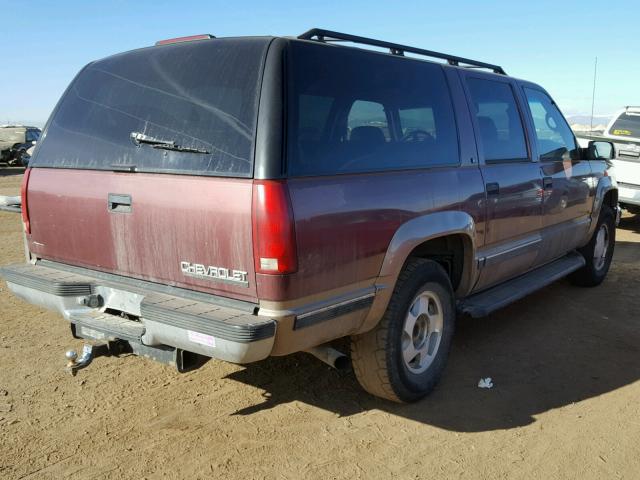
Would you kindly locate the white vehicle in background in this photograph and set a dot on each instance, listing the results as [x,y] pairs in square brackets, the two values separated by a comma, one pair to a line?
[624,131]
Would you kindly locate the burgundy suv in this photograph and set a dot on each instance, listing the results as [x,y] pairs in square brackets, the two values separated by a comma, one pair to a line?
[238,198]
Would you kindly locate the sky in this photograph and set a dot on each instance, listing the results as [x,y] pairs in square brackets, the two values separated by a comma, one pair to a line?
[553,43]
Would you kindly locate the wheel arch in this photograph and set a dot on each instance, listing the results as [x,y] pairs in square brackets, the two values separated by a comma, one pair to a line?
[434,236]
[611,198]
[606,194]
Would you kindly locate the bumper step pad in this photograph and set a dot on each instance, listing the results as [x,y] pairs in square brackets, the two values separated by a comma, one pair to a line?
[221,322]
[47,280]
[110,325]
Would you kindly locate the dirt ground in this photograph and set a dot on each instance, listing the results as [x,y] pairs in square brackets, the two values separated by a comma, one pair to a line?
[565,363]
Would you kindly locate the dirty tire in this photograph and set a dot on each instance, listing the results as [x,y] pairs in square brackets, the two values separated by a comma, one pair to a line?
[377,355]
[20,158]
[595,271]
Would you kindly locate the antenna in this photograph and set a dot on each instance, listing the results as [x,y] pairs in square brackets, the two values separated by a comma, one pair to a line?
[593,95]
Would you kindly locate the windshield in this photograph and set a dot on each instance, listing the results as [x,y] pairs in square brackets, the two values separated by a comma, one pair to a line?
[15,135]
[626,125]
[199,96]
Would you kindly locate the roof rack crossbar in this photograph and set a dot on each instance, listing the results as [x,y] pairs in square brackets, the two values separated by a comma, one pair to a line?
[396,49]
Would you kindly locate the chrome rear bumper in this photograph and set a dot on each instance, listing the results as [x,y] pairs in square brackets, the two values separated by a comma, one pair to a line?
[103,307]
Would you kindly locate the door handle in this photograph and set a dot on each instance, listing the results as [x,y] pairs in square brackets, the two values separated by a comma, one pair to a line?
[120,203]
[493,188]
[547,183]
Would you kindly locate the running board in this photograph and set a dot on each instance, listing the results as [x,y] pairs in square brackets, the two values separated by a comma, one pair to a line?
[484,303]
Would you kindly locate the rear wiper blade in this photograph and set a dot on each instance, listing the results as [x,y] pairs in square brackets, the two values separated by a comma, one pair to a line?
[140,138]
[123,167]
[178,148]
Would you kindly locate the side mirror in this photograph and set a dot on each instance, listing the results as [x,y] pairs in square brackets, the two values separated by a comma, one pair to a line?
[601,150]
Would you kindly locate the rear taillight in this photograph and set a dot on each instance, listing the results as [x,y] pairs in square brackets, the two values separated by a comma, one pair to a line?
[274,237]
[23,200]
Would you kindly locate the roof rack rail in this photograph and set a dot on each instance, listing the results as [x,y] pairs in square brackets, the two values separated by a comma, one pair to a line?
[396,49]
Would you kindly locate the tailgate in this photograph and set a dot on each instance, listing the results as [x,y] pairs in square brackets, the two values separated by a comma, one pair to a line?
[185,231]
[145,167]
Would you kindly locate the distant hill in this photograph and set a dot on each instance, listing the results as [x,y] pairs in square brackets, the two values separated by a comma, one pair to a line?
[586,119]
[30,123]
[582,128]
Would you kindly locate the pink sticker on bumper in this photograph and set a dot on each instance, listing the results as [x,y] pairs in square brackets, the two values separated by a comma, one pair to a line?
[201,338]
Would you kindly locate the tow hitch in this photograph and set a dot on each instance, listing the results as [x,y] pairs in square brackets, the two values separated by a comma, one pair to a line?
[91,351]
[182,360]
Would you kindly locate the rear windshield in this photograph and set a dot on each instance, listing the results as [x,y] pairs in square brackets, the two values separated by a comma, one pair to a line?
[626,126]
[357,111]
[194,105]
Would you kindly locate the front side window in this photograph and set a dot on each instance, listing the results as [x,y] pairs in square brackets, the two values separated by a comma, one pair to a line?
[499,123]
[554,137]
[368,120]
[417,122]
[355,111]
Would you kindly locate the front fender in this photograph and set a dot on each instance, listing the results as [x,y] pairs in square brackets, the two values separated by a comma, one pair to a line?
[409,236]
[605,185]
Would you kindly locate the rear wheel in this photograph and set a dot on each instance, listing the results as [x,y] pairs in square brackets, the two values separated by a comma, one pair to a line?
[22,158]
[403,357]
[598,252]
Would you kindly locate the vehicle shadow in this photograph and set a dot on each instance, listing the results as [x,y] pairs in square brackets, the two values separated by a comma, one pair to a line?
[559,346]
[11,171]
[630,223]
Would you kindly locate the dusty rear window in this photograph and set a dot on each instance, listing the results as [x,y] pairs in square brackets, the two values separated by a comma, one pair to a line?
[200,97]
[626,125]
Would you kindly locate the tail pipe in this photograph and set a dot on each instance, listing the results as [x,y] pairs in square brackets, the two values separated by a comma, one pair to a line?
[330,356]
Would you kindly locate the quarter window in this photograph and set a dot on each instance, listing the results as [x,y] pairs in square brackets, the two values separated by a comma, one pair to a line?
[357,111]
[367,116]
[313,114]
[498,119]
[554,137]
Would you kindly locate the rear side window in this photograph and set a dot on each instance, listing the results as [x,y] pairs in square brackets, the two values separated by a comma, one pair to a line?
[554,137]
[202,96]
[355,111]
[626,125]
[498,119]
